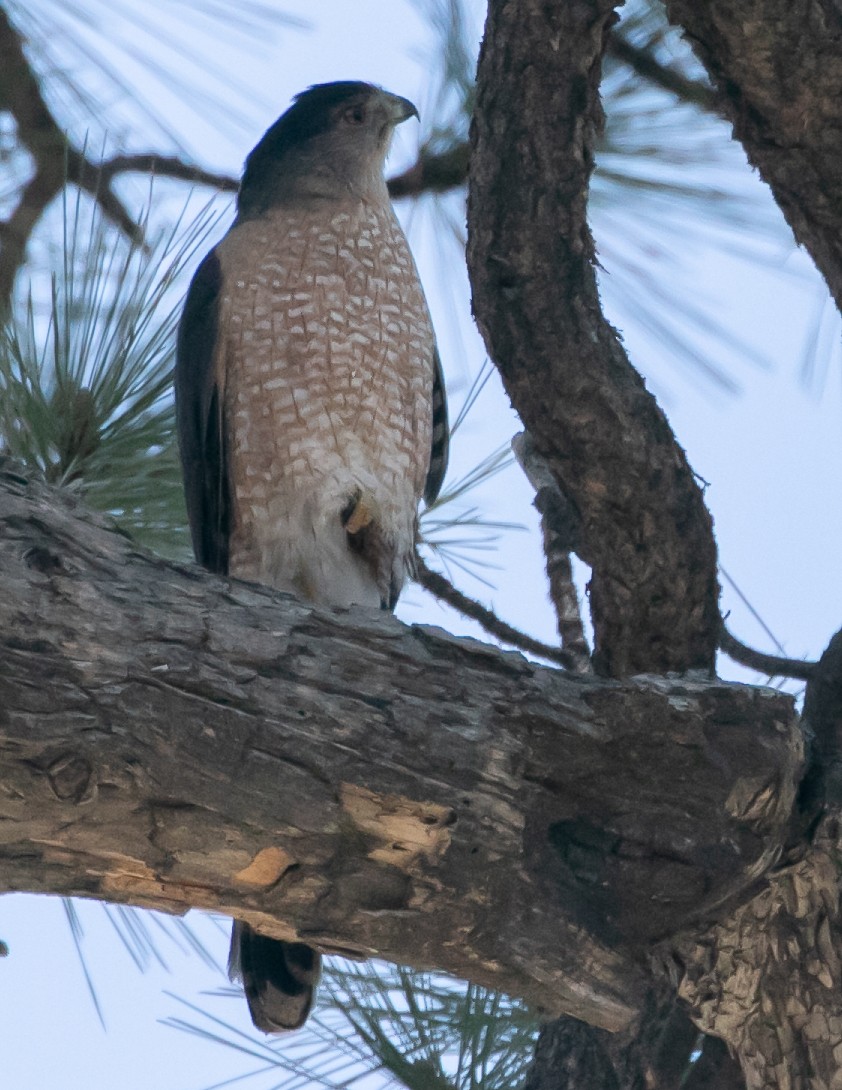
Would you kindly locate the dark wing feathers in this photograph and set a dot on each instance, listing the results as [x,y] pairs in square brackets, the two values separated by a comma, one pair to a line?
[198,402]
[440,445]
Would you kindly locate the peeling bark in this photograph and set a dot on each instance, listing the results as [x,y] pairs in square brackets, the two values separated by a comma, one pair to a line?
[768,980]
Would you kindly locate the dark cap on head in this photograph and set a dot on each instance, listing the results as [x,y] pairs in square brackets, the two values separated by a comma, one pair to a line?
[322,109]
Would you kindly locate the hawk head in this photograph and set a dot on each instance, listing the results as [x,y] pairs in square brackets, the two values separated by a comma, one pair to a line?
[333,139]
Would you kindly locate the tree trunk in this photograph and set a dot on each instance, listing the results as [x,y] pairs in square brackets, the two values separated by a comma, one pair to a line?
[645,530]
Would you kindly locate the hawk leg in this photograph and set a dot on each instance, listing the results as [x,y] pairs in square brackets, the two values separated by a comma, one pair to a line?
[358,513]
[361,522]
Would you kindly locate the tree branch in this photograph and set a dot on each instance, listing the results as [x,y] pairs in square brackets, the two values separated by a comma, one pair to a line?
[164,166]
[654,1053]
[35,198]
[645,64]
[778,1002]
[777,67]
[20,95]
[645,530]
[56,162]
[442,588]
[561,533]
[432,172]
[171,739]
[773,665]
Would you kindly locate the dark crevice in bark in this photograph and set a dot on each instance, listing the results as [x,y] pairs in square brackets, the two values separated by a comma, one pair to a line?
[654,1054]
[715,1069]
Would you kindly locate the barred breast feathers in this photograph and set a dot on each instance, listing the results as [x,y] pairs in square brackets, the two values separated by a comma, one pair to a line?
[330,364]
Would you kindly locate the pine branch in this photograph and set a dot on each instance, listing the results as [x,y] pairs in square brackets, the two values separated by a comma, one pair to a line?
[441,587]
[20,95]
[645,64]
[165,166]
[432,173]
[55,161]
[773,665]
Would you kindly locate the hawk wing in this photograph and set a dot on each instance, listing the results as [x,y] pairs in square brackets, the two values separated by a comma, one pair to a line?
[440,445]
[199,414]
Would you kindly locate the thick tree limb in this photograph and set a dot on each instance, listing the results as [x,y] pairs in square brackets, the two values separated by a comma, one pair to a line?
[777,66]
[645,530]
[768,979]
[171,739]
[654,1054]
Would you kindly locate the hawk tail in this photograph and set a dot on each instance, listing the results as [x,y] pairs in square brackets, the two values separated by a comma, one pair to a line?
[279,978]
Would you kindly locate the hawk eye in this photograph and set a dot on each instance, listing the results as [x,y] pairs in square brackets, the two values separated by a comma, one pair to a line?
[355,115]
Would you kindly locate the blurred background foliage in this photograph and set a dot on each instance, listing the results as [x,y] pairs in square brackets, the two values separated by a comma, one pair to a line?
[104,210]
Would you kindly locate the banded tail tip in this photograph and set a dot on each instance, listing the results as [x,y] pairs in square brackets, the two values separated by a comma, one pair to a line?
[279,978]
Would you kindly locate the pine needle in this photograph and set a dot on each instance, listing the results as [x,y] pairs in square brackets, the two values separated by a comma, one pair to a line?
[85,374]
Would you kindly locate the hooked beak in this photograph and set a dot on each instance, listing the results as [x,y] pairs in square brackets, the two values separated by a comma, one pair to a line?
[400,109]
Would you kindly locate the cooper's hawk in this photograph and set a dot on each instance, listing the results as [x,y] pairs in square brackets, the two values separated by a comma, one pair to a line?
[310,401]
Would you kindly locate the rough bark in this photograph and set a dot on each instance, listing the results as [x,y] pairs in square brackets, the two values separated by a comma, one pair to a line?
[654,1054]
[769,979]
[777,66]
[644,527]
[168,739]
[658,1054]
[171,739]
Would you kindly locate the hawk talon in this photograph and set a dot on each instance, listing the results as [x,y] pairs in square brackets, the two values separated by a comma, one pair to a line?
[358,513]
